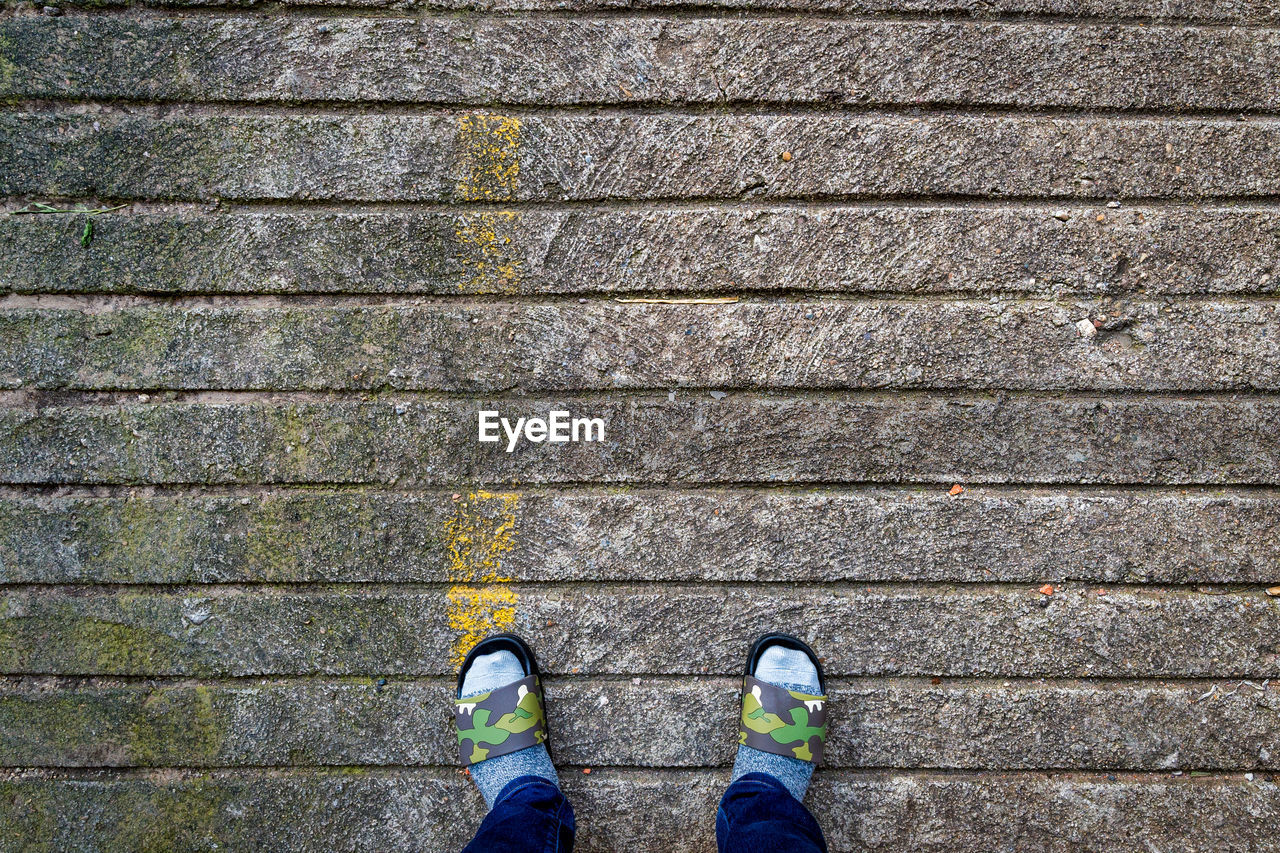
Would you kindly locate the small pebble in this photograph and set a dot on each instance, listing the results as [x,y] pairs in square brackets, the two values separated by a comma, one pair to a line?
[1061,215]
[199,617]
[1086,328]
[1113,204]
[51,11]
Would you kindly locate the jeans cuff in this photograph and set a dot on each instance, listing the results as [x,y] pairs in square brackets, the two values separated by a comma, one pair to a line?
[518,784]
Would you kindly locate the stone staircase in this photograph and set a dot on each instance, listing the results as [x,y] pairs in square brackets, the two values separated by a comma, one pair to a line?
[944,335]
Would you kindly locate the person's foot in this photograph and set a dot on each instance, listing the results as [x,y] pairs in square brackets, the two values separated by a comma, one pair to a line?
[791,669]
[484,674]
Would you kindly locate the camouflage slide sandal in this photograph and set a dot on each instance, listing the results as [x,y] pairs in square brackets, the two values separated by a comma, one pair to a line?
[510,718]
[781,721]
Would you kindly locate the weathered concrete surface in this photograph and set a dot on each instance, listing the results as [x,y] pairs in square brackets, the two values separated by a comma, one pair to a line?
[741,438]
[485,348]
[202,586]
[641,60]
[456,157]
[432,812]
[1154,251]
[731,535]
[960,725]
[639,628]
[1214,11]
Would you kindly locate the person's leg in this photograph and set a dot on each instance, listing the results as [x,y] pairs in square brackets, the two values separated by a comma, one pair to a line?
[792,669]
[484,674]
[530,815]
[501,734]
[758,815]
[761,812]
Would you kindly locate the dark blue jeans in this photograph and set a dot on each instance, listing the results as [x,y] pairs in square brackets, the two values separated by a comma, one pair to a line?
[530,815]
[756,815]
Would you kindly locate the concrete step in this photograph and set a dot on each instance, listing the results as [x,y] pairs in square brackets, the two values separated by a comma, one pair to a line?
[644,60]
[451,156]
[638,629]
[485,349]
[1250,12]
[740,438]
[986,534]
[1047,250]
[962,724]
[436,811]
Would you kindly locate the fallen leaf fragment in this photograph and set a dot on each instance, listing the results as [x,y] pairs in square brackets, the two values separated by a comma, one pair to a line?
[1047,589]
[955,490]
[700,300]
[1273,590]
[586,770]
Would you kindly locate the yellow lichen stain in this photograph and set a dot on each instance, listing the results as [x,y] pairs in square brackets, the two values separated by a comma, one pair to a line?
[489,151]
[481,531]
[9,71]
[475,612]
[489,155]
[487,268]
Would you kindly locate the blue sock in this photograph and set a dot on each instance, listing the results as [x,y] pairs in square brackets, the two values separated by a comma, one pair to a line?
[489,672]
[792,669]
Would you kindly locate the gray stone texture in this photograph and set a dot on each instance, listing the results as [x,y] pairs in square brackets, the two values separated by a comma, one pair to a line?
[486,349]
[737,439]
[650,60]
[888,629]
[451,156]
[1153,251]
[1257,12]
[433,811]
[1004,535]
